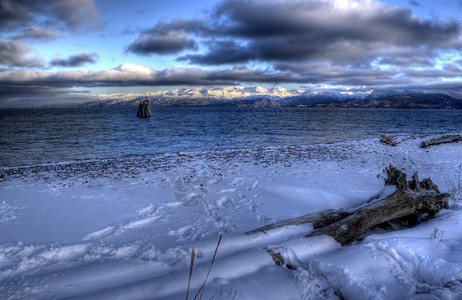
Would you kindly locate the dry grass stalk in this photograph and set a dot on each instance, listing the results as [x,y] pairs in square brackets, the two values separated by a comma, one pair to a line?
[202,288]
[193,255]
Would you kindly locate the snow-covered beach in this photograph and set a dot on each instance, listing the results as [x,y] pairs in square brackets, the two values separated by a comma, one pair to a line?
[124,228]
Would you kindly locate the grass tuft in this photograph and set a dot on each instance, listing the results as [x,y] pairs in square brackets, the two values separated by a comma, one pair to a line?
[455,187]
[437,234]
[201,290]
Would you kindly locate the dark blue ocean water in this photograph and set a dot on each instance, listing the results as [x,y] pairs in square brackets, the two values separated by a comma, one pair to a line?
[33,136]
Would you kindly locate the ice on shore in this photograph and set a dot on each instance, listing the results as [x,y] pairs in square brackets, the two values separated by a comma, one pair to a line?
[125,228]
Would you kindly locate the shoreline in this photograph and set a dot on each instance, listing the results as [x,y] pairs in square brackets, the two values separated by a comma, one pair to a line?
[136,164]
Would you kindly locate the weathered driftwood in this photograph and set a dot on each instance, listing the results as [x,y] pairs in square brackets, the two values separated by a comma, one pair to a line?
[451,138]
[389,140]
[318,219]
[392,140]
[412,200]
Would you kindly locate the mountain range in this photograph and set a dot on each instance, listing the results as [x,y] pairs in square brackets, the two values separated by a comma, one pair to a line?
[279,97]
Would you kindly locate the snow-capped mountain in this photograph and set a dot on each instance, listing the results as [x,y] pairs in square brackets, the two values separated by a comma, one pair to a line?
[230,96]
[258,96]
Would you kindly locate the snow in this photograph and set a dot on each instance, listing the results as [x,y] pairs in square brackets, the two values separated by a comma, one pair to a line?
[124,228]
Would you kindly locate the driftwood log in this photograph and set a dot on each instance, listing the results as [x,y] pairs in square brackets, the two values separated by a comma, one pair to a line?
[392,140]
[411,202]
[389,140]
[451,138]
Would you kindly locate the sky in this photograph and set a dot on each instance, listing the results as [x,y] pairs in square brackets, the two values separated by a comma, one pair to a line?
[64,50]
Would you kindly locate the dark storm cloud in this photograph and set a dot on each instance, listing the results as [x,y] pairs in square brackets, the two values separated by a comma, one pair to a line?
[14,54]
[166,38]
[238,31]
[37,33]
[165,43]
[302,30]
[233,51]
[76,14]
[76,60]
[15,13]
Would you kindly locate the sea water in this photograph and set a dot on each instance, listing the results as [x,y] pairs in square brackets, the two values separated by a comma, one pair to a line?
[35,136]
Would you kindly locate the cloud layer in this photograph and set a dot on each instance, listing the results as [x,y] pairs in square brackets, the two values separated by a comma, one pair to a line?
[26,22]
[138,75]
[337,32]
[308,42]
[75,14]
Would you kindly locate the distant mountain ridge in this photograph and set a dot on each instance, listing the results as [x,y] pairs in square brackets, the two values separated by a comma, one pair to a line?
[408,100]
[228,96]
[279,97]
